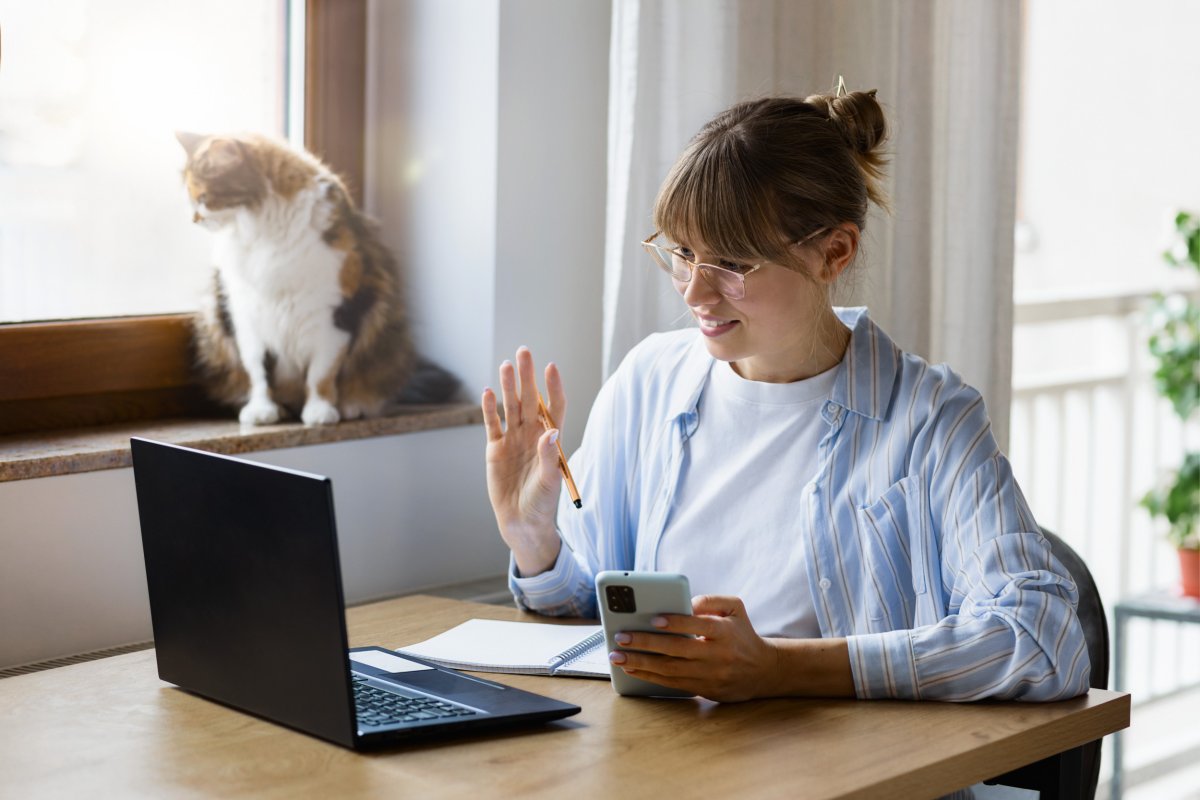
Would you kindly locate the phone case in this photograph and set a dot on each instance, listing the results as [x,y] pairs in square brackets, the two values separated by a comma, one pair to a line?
[652,593]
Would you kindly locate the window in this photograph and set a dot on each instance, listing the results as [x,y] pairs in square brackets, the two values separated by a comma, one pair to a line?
[1107,161]
[93,218]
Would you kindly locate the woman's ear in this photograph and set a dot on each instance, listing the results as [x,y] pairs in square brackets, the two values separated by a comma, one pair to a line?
[840,246]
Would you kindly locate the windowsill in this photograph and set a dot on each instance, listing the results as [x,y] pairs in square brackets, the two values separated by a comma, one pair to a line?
[48,453]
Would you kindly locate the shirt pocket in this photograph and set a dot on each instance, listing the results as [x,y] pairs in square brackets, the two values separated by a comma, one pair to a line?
[891,532]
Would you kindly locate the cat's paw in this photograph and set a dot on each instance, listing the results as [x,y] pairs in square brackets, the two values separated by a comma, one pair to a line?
[259,412]
[352,411]
[319,412]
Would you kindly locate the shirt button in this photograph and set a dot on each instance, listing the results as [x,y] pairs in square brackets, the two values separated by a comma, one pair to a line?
[824,583]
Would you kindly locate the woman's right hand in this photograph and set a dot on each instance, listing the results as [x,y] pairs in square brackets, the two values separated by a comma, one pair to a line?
[523,477]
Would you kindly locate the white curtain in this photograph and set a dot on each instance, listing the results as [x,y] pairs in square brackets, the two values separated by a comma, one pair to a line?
[937,273]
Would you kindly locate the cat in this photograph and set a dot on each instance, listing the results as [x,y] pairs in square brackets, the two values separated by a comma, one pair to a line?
[306,312]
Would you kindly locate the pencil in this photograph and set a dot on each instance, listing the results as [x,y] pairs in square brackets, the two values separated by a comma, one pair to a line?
[548,422]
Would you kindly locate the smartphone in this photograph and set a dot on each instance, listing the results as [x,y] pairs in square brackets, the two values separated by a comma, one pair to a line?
[627,601]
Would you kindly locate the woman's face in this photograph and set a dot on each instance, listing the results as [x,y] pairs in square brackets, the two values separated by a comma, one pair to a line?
[778,333]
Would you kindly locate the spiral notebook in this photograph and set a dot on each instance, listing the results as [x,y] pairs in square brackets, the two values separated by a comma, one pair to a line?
[528,648]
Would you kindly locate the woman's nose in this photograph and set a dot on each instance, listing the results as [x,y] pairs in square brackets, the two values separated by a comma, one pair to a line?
[698,291]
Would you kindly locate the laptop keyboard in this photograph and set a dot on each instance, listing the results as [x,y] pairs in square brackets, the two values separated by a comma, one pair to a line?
[378,707]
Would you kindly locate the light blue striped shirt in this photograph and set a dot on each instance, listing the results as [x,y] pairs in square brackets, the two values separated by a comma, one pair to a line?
[919,546]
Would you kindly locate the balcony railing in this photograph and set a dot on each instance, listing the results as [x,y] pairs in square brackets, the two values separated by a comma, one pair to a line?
[1089,436]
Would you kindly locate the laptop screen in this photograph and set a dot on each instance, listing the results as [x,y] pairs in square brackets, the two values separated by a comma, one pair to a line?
[245,585]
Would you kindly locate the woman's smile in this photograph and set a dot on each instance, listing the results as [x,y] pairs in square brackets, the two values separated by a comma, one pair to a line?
[714,326]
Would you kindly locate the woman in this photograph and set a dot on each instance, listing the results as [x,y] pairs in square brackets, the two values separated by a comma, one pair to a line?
[803,471]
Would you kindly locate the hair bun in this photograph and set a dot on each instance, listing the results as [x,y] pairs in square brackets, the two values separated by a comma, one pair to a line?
[857,115]
[861,121]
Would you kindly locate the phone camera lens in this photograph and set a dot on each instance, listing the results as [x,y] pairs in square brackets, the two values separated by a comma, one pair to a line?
[620,599]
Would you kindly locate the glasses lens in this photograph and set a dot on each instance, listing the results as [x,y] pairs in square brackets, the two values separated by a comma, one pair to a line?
[661,256]
[673,263]
[681,268]
[729,284]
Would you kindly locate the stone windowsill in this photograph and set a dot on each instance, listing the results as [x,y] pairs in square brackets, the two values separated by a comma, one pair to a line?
[47,453]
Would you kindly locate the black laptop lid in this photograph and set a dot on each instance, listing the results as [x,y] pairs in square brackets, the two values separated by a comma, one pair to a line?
[245,586]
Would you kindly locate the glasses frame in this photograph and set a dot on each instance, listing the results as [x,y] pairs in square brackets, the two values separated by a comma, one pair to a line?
[705,269]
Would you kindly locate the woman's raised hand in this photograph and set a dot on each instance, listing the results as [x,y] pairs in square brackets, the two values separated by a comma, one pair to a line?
[523,478]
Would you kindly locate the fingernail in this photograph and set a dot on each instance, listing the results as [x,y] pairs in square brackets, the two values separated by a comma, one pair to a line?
[553,436]
[616,657]
[658,622]
[506,363]
[622,638]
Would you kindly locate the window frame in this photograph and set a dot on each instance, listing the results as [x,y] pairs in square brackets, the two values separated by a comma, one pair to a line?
[89,372]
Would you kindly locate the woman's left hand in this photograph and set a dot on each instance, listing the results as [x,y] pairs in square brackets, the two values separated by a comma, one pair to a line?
[727,661]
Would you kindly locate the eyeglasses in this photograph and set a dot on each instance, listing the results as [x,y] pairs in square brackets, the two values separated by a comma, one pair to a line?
[729,281]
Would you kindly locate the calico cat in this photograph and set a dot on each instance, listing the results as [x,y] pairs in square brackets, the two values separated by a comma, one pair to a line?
[306,313]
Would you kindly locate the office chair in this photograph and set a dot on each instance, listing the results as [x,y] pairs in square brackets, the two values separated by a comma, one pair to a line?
[1043,776]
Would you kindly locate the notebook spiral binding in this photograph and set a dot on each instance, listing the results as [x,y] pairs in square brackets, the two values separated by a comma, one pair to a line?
[572,653]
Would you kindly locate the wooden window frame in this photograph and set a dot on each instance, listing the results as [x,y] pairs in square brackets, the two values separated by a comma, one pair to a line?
[84,373]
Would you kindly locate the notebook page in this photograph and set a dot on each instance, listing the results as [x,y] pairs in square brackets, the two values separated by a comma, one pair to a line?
[499,646]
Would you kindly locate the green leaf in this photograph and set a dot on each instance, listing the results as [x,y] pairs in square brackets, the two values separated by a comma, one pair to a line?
[1179,502]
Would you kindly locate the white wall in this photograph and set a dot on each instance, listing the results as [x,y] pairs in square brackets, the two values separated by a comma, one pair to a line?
[486,147]
[71,574]
[487,140]
[1108,151]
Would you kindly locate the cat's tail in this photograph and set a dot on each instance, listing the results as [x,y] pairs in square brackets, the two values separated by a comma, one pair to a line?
[429,383]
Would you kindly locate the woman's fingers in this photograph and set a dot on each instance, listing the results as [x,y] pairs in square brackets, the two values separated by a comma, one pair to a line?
[666,670]
[710,618]
[556,397]
[660,644]
[508,392]
[728,662]
[491,420]
[529,397]
[519,393]
[548,459]
[718,605]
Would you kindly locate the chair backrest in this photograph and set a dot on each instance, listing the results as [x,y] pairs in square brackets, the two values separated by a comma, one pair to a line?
[1091,611]
[1095,632]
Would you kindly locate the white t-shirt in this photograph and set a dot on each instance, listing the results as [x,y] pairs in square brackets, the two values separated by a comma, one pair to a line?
[746,429]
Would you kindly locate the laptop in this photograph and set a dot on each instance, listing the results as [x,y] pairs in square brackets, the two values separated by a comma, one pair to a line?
[247,607]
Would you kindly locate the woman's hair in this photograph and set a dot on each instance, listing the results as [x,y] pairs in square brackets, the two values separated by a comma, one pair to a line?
[766,173]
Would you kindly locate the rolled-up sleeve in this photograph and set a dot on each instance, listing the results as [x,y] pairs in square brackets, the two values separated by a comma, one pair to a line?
[1011,629]
[565,590]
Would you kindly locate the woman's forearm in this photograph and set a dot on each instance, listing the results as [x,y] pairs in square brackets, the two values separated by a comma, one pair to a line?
[812,668]
[534,551]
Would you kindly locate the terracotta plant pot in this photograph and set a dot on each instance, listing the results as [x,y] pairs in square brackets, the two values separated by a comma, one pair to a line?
[1189,571]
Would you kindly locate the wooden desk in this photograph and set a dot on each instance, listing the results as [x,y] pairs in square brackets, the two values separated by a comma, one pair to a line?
[111,728]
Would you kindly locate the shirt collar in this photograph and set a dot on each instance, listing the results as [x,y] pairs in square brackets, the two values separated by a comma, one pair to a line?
[863,384]
[868,371]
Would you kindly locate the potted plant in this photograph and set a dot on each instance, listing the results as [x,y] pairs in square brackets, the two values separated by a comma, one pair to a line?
[1175,343]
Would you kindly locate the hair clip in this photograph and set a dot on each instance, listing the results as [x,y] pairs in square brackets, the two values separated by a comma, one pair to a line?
[841,87]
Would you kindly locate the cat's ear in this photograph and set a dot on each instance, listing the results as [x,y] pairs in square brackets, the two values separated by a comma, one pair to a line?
[190,141]
[223,154]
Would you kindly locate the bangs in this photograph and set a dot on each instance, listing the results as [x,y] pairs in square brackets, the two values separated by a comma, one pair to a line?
[712,197]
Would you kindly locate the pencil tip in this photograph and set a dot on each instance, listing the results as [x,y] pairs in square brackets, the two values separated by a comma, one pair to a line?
[579,504]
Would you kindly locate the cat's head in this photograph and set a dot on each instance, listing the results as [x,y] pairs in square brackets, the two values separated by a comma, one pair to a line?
[222,175]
